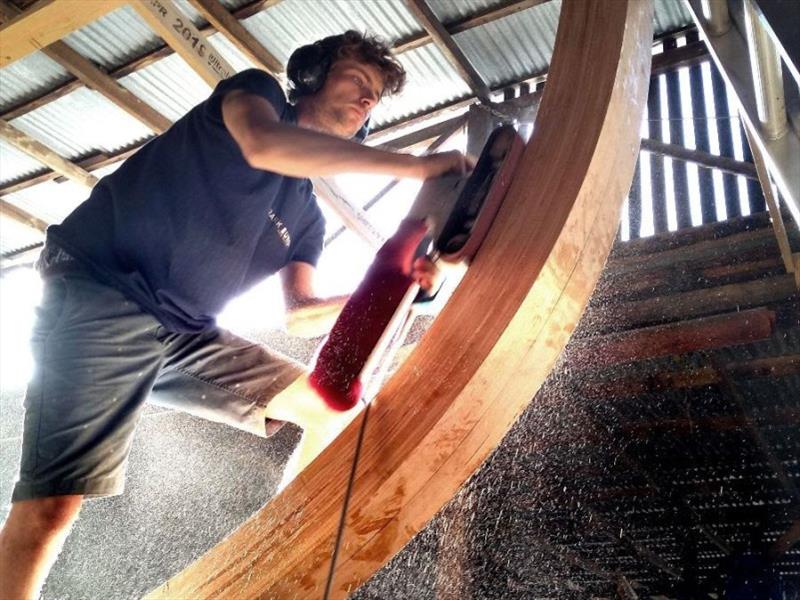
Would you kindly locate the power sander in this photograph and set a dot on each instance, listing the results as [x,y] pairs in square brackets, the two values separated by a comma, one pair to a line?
[455,212]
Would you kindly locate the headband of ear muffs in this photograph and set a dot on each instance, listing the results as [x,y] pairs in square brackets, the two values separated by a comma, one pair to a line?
[308,68]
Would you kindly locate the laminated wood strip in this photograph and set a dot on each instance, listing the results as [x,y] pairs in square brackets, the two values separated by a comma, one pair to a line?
[490,349]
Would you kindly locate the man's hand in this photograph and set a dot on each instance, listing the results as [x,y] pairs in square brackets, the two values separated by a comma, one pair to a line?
[441,163]
[425,272]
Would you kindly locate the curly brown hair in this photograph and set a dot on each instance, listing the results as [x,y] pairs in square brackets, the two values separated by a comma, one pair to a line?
[367,49]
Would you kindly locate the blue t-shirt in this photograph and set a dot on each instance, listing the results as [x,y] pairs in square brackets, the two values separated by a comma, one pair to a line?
[186,224]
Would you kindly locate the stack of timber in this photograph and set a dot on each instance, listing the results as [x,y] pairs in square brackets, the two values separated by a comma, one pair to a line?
[661,456]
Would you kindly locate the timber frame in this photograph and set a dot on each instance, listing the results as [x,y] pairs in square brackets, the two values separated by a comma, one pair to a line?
[468,384]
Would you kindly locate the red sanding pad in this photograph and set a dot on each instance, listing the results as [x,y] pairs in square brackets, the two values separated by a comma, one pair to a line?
[365,316]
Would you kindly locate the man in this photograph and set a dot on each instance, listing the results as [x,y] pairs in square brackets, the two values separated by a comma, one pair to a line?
[135,275]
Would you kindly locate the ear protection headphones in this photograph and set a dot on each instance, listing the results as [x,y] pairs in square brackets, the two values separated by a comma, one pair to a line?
[308,68]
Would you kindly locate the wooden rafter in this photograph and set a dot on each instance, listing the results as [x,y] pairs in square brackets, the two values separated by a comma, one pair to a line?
[380,134]
[47,21]
[202,58]
[185,39]
[94,78]
[451,403]
[443,137]
[240,13]
[42,153]
[447,45]
[353,217]
[224,22]
[482,17]
[21,216]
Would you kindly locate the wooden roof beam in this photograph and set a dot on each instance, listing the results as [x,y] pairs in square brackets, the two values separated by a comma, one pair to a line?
[227,24]
[445,42]
[178,31]
[47,21]
[94,78]
[42,153]
[480,18]
[21,216]
[201,57]
[385,135]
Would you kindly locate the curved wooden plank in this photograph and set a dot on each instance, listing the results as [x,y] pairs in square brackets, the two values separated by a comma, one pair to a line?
[489,350]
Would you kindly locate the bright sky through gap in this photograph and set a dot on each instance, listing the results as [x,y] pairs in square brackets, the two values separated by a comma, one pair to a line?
[690,142]
[738,153]
[713,137]
[672,219]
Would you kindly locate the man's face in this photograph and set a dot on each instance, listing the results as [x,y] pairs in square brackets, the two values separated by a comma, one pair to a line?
[351,91]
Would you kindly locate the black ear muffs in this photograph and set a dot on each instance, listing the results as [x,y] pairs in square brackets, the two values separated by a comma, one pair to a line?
[308,68]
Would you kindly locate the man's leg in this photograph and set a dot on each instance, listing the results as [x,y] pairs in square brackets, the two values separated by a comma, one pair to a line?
[221,377]
[96,359]
[301,405]
[30,541]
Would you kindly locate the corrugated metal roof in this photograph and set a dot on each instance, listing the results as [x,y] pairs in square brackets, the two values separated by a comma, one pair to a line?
[15,164]
[170,86]
[52,201]
[234,4]
[29,77]
[231,53]
[114,39]
[291,23]
[670,15]
[14,235]
[431,81]
[448,11]
[514,47]
[63,126]
[503,51]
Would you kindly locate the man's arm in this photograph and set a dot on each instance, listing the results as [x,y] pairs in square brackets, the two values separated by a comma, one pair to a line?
[268,144]
[307,315]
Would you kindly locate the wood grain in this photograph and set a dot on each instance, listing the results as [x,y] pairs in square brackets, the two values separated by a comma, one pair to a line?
[489,350]
[47,21]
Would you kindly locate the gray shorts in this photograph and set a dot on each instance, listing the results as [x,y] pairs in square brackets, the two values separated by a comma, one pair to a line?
[98,357]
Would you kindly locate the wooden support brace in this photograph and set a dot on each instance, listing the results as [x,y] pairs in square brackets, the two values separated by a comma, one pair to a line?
[445,42]
[182,36]
[790,261]
[352,216]
[704,159]
[42,153]
[93,78]
[492,346]
[487,15]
